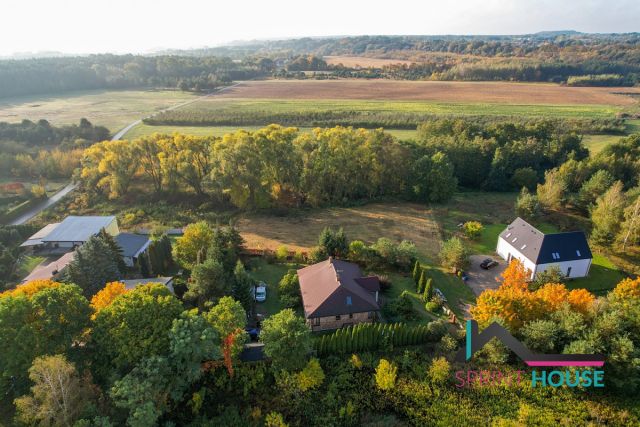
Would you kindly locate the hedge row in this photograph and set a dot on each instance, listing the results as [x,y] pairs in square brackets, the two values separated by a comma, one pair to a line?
[372,336]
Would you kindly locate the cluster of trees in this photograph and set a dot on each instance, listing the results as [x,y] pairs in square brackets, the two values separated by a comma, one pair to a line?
[603,188]
[49,75]
[11,237]
[501,156]
[372,336]
[38,149]
[212,254]
[384,253]
[553,319]
[598,80]
[274,167]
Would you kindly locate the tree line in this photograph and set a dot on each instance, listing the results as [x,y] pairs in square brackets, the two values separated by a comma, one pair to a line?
[51,75]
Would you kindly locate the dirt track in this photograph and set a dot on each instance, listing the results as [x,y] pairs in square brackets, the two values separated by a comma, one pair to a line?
[474,92]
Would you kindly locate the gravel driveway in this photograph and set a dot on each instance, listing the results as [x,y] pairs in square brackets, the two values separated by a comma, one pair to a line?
[480,280]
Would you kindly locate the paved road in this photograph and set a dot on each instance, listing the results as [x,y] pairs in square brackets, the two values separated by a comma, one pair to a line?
[36,209]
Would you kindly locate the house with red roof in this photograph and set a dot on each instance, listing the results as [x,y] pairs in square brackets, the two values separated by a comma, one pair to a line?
[335,294]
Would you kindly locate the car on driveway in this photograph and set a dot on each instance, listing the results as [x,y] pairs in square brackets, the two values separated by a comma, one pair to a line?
[488,264]
[261,292]
[254,333]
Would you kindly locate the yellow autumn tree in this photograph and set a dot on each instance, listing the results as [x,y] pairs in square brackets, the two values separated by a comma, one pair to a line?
[553,295]
[106,296]
[516,275]
[30,288]
[581,300]
[628,288]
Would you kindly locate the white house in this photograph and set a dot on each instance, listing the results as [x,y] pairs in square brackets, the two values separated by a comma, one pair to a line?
[538,251]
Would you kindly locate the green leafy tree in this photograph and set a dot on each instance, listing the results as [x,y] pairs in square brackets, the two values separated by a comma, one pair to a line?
[541,335]
[287,340]
[453,254]
[50,321]
[593,188]
[228,319]
[57,397]
[439,370]
[289,288]
[552,193]
[333,243]
[133,327]
[242,284]
[159,382]
[608,214]
[191,248]
[311,376]
[472,229]
[527,205]
[525,178]
[208,282]
[92,267]
[434,179]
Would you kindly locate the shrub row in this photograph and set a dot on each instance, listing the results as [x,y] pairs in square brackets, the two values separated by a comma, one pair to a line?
[376,336]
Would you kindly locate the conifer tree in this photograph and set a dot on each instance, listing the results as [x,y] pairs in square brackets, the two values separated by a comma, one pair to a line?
[428,290]
[92,267]
[416,272]
[114,249]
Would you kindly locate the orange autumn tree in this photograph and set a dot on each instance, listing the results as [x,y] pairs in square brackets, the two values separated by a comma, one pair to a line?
[30,288]
[514,305]
[106,296]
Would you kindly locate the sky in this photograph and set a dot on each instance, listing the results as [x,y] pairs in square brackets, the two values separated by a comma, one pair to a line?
[140,26]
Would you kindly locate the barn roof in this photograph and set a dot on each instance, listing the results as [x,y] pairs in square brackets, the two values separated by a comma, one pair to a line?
[541,248]
[132,244]
[332,288]
[78,228]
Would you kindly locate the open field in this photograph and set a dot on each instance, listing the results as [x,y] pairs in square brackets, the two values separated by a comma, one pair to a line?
[363,61]
[113,109]
[435,91]
[142,130]
[396,221]
[595,143]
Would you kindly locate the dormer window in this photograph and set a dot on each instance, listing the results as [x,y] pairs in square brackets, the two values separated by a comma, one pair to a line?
[578,252]
[349,300]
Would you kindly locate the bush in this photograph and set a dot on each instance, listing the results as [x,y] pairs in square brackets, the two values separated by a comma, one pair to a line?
[282,253]
[289,288]
[432,306]
[472,229]
[386,374]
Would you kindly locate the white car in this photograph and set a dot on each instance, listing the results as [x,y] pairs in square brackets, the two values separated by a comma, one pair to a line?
[261,292]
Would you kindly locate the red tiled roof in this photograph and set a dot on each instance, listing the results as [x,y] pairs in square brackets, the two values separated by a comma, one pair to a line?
[334,287]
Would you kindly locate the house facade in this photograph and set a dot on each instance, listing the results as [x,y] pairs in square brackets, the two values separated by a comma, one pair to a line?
[335,294]
[538,252]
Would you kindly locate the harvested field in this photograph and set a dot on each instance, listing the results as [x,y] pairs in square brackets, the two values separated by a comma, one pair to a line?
[363,61]
[476,92]
[395,221]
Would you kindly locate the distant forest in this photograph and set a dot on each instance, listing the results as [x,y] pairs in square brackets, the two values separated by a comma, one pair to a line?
[566,57]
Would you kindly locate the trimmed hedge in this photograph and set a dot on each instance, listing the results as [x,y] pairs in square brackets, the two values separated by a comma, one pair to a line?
[373,336]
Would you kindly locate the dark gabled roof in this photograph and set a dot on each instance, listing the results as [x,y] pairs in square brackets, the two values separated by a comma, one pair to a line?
[331,288]
[131,244]
[542,248]
[567,247]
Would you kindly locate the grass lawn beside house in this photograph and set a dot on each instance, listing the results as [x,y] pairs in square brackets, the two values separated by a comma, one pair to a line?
[261,270]
[603,276]
[28,264]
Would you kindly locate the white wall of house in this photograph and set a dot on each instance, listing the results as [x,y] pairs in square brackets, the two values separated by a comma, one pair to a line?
[508,252]
[579,268]
[113,228]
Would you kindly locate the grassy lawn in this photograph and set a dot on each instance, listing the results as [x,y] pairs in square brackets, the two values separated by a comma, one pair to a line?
[27,264]
[603,276]
[110,108]
[595,143]
[399,284]
[300,230]
[271,274]
[453,288]
[142,130]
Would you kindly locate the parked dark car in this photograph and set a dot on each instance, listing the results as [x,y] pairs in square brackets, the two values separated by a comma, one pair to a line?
[254,333]
[488,263]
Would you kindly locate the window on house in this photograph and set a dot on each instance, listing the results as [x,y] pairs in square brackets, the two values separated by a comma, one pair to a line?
[349,300]
[523,246]
[316,321]
[557,255]
[508,235]
[578,252]
[350,315]
[370,315]
[337,317]
[514,240]
[553,255]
